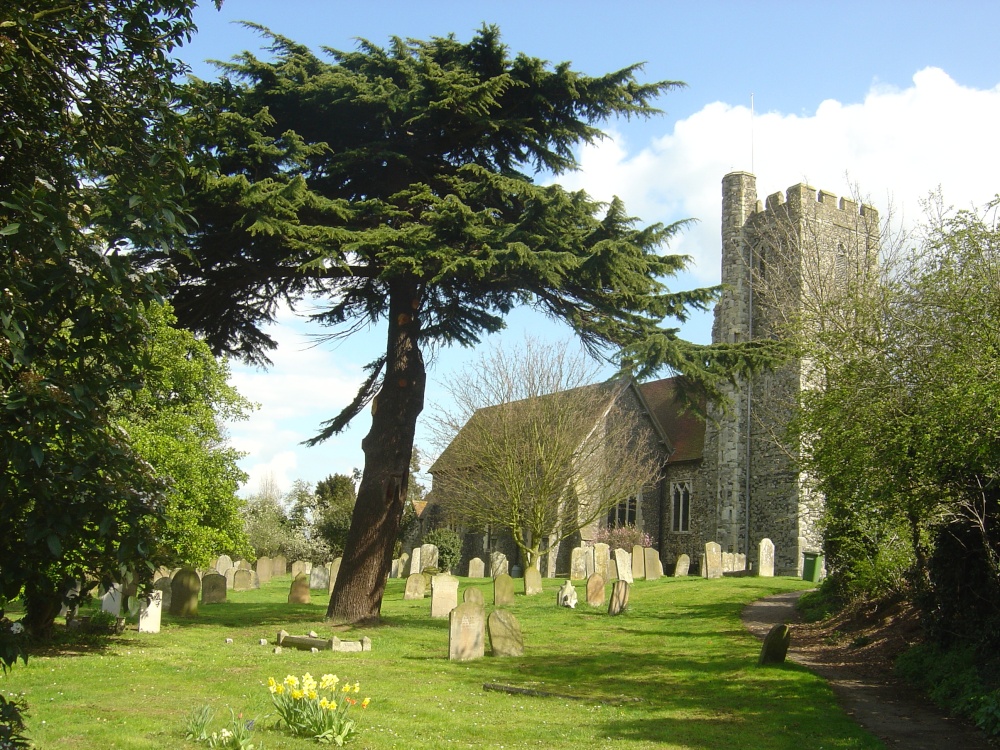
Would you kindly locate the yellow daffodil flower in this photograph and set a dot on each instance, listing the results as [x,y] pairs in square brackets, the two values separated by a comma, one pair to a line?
[365,702]
[357,687]
[296,694]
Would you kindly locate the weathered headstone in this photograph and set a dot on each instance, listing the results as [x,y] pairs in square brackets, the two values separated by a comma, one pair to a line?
[444,594]
[498,564]
[415,566]
[111,600]
[774,649]
[683,566]
[334,572]
[765,558]
[230,577]
[279,565]
[623,562]
[567,596]
[394,568]
[739,562]
[728,562]
[184,591]
[242,565]
[505,634]
[404,565]
[428,556]
[242,580]
[619,597]
[160,572]
[466,631]
[503,590]
[713,560]
[265,569]
[703,567]
[162,584]
[213,589]
[416,586]
[150,611]
[319,577]
[477,568]
[638,563]
[588,562]
[474,595]
[532,582]
[595,590]
[301,566]
[254,580]
[602,560]
[578,564]
[224,563]
[515,571]
[298,593]
[654,568]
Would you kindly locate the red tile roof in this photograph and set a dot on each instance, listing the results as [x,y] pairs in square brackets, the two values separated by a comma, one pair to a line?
[682,423]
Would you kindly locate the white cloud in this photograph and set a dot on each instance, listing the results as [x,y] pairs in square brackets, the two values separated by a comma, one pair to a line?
[896,145]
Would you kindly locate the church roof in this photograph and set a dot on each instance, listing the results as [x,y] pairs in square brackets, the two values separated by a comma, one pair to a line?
[681,422]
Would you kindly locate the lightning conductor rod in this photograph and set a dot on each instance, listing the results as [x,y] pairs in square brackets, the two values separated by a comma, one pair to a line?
[751,134]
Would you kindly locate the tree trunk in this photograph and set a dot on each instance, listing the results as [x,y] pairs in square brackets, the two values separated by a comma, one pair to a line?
[367,559]
[42,602]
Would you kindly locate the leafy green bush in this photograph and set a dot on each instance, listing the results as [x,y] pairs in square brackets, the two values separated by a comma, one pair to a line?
[449,545]
[12,711]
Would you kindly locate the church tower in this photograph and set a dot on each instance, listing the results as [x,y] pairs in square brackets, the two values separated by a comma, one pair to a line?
[780,259]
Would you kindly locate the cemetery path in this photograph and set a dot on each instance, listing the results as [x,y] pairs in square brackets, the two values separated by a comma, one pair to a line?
[862,680]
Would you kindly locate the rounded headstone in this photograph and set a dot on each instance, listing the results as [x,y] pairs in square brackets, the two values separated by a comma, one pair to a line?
[299,591]
[184,591]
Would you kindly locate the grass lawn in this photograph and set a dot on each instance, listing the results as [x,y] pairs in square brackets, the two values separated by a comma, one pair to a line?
[676,670]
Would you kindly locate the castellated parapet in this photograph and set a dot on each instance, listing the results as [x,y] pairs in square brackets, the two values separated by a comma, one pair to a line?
[780,259]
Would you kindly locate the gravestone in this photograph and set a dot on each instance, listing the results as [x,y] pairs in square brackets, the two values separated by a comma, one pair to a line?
[503,590]
[279,565]
[160,572]
[477,568]
[298,593]
[162,584]
[774,649]
[428,556]
[739,562]
[619,597]
[703,567]
[334,572]
[712,560]
[638,563]
[466,631]
[149,613]
[567,596]
[265,569]
[595,590]
[728,562]
[532,582]
[394,568]
[301,566]
[498,564]
[254,580]
[319,577]
[588,562]
[404,565]
[242,565]
[682,566]
[505,634]
[623,562]
[515,571]
[654,568]
[602,560]
[578,564]
[184,591]
[765,558]
[111,600]
[416,587]
[473,595]
[213,589]
[230,577]
[444,594]
[242,580]
[415,566]
[224,563]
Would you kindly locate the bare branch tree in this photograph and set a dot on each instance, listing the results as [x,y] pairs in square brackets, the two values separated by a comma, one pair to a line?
[532,446]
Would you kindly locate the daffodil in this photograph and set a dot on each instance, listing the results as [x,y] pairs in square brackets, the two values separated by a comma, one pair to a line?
[365,702]
[346,687]
[357,687]
[279,689]
[296,694]
[292,681]
[328,681]
[331,706]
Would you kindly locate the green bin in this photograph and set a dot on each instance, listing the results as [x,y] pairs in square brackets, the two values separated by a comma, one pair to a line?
[812,564]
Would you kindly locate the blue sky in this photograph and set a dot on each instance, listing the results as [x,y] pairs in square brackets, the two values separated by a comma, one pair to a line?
[895,98]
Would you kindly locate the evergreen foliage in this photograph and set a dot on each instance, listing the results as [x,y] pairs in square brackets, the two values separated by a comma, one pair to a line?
[395,185]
